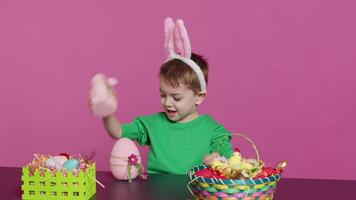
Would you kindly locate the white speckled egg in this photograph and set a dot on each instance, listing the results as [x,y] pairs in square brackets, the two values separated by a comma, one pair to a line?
[122,149]
[60,159]
[59,166]
[50,162]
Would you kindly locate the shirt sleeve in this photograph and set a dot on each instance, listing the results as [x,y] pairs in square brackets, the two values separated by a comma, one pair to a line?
[136,130]
[221,142]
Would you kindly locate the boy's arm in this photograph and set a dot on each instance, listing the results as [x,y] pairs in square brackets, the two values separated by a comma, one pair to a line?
[221,142]
[112,126]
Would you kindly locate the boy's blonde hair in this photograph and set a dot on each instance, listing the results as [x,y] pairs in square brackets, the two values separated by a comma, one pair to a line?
[175,72]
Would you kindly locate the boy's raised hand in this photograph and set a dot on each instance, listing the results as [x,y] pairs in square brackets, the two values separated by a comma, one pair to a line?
[102,99]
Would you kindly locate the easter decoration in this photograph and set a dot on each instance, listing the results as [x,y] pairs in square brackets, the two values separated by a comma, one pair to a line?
[102,98]
[71,177]
[125,161]
[236,178]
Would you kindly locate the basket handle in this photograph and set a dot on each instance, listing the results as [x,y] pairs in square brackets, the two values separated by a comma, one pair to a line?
[251,142]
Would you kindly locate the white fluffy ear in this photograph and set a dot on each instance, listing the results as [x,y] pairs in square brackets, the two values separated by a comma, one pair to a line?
[182,39]
[168,30]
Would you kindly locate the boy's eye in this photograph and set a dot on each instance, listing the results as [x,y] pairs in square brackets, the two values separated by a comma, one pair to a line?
[177,99]
[163,95]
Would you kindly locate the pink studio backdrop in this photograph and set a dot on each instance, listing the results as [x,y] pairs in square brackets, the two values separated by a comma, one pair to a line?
[282,72]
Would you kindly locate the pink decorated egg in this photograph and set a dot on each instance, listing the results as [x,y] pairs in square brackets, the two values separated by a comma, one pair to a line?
[123,153]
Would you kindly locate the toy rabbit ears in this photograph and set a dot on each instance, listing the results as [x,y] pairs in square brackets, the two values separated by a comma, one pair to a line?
[176,34]
[178,46]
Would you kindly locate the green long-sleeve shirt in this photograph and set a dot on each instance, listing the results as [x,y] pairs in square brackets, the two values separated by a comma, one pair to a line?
[176,147]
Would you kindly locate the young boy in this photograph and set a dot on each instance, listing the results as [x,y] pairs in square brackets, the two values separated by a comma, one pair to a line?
[178,137]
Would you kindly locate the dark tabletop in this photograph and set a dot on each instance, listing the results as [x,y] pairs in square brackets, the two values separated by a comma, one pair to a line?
[165,186]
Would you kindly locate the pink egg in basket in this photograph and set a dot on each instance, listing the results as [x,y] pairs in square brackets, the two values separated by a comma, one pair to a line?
[124,153]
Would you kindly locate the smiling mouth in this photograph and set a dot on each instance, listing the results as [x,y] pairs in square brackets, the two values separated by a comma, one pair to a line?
[171,113]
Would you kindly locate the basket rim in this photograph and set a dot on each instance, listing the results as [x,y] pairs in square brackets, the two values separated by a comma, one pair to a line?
[192,176]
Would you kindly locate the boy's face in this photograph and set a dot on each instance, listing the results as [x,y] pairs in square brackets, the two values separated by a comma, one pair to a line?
[179,103]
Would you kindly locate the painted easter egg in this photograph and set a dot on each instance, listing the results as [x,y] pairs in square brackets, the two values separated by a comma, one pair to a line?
[123,150]
[60,159]
[51,163]
[56,162]
[71,164]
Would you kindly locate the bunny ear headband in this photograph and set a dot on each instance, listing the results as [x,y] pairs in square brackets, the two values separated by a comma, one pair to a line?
[177,35]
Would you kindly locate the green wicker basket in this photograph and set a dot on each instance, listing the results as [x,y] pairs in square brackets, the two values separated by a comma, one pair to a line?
[58,187]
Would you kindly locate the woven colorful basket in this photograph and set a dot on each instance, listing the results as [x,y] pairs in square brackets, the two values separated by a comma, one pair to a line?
[203,188]
[58,187]
[231,189]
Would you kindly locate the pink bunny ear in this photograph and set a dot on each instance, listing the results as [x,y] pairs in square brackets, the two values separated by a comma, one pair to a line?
[178,41]
[168,30]
[182,40]
[182,43]
[111,81]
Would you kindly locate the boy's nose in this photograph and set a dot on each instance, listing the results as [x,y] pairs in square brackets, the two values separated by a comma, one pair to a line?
[168,102]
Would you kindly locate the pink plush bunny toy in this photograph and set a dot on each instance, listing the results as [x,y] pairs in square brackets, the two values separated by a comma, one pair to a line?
[103,102]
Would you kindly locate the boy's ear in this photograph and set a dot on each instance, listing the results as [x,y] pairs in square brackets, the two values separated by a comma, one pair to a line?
[199,98]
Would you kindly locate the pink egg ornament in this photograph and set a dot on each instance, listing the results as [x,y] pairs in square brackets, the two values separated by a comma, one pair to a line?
[120,153]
